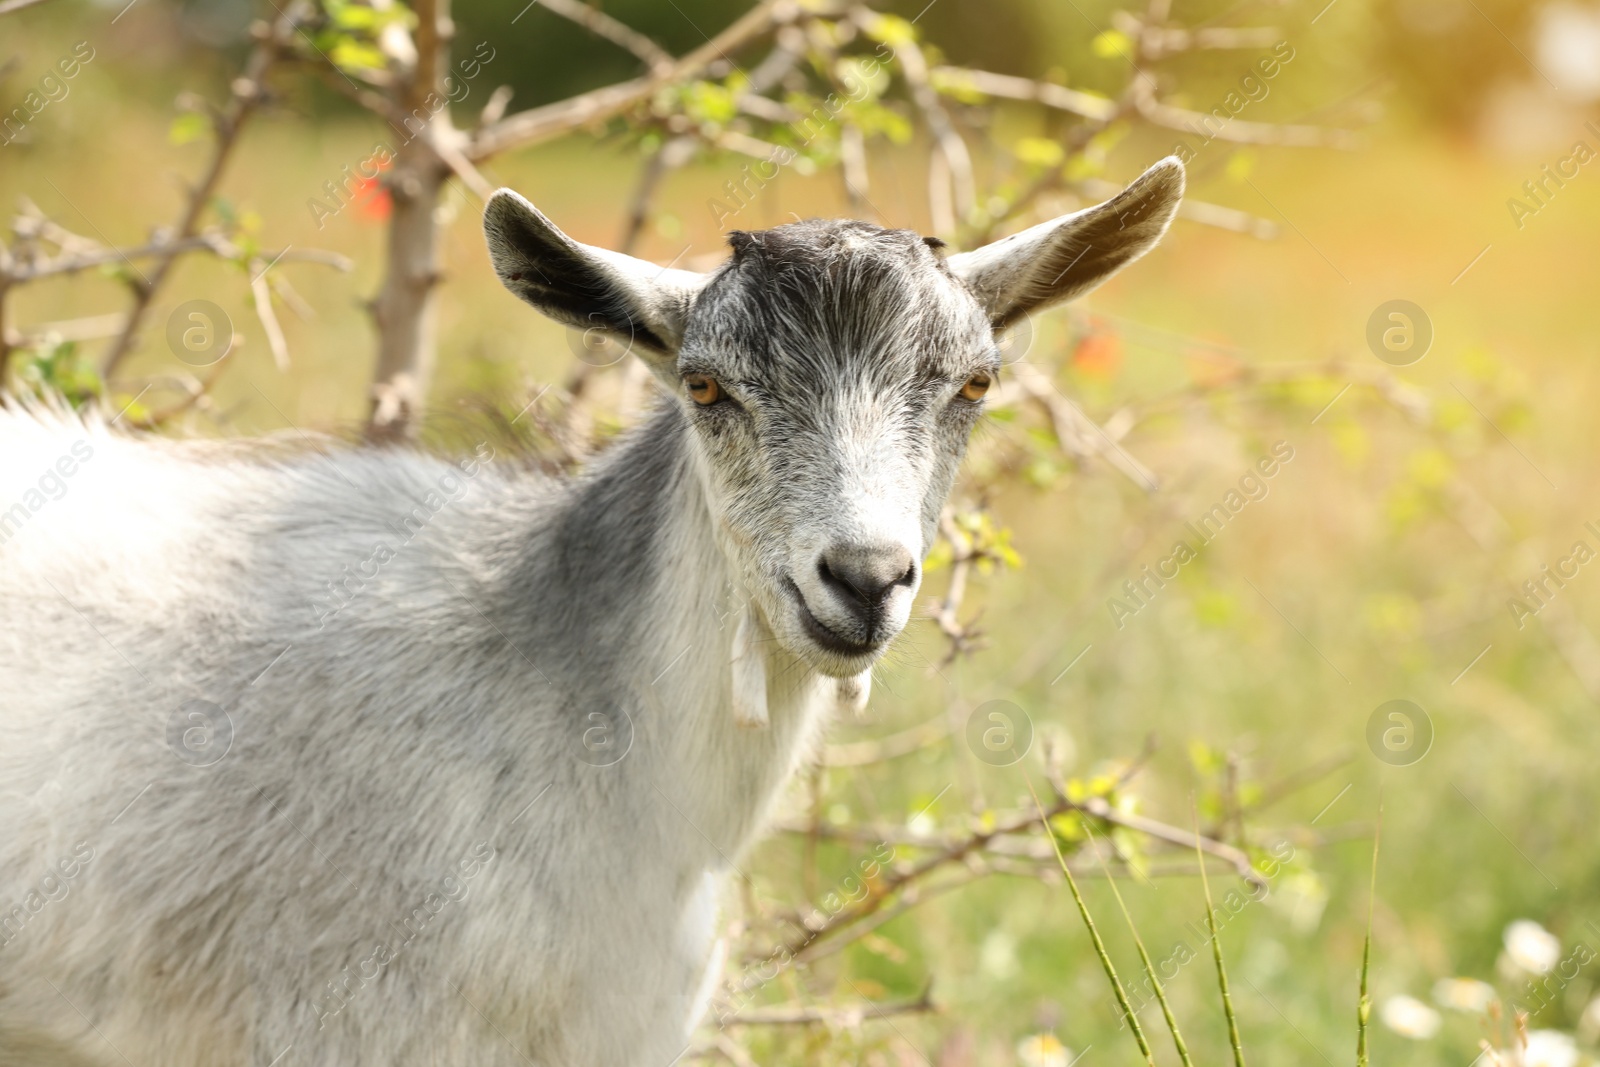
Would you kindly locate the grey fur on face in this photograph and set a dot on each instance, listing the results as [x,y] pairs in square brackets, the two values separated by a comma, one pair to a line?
[476,748]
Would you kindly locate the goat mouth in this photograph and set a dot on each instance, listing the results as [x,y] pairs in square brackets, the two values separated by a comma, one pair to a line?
[829,640]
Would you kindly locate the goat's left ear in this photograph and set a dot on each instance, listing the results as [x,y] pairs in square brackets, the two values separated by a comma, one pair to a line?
[643,306]
[1066,257]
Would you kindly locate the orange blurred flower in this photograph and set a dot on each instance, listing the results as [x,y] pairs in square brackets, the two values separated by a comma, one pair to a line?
[1098,355]
[372,198]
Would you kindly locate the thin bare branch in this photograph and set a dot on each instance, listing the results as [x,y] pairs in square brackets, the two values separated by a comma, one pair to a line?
[1225,127]
[1173,835]
[1014,838]
[10,340]
[214,243]
[197,393]
[729,1049]
[911,897]
[1078,435]
[495,109]
[13,6]
[963,637]
[821,938]
[445,144]
[847,1016]
[261,295]
[853,162]
[248,91]
[84,328]
[960,80]
[1157,42]
[552,120]
[952,190]
[597,22]
[336,80]
[669,157]
[1293,783]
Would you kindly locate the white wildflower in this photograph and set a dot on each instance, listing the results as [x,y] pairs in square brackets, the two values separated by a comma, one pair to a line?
[1550,1048]
[1531,947]
[1043,1050]
[1589,1022]
[998,956]
[1409,1017]
[1464,994]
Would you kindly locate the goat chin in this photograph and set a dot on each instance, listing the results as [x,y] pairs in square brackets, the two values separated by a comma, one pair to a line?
[854,693]
[750,676]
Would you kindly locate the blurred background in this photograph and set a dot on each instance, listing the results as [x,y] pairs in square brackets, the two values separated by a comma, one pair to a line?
[1383,290]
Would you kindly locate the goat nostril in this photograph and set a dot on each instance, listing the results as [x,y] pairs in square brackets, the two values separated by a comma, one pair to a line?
[839,583]
[867,575]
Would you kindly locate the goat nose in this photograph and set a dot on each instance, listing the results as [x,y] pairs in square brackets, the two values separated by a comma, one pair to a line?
[864,576]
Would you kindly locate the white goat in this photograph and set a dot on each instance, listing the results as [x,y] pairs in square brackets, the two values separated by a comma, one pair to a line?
[365,757]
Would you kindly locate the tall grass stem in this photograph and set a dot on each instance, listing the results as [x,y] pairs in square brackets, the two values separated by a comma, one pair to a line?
[1216,951]
[1094,934]
[1144,957]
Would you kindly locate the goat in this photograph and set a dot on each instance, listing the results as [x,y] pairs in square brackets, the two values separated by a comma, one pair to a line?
[357,756]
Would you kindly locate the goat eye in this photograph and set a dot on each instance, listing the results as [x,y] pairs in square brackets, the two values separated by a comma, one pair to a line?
[977,385]
[702,390]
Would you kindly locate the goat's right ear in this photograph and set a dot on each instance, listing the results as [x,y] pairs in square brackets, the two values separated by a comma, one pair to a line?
[643,306]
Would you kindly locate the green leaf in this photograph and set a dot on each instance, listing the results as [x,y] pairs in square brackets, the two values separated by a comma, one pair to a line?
[958,87]
[1039,152]
[708,102]
[1112,135]
[892,30]
[188,127]
[853,71]
[1112,44]
[1481,364]
[351,54]
[1430,468]
[356,18]
[1240,165]
[1215,608]
[1084,165]
[57,367]
[1067,827]
[875,119]
[1204,758]
[1041,473]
